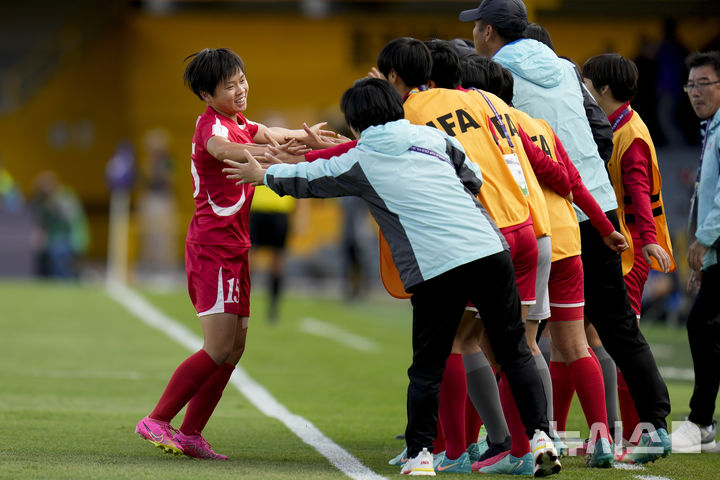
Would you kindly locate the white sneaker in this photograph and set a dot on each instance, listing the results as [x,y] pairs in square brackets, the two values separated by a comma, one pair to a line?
[693,438]
[421,464]
[545,457]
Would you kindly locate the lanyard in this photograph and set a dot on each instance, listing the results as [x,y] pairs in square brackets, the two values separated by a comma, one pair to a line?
[421,88]
[692,219]
[500,120]
[619,119]
[702,153]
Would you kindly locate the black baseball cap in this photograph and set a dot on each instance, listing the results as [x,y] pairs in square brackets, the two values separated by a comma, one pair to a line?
[509,15]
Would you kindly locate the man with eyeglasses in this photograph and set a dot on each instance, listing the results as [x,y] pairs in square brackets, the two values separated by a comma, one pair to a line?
[697,433]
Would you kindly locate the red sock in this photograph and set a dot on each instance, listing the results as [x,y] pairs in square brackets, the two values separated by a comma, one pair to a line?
[473,422]
[520,441]
[451,408]
[439,443]
[189,376]
[203,403]
[563,391]
[587,379]
[628,413]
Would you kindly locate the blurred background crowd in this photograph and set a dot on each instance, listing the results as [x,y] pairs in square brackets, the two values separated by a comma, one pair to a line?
[92,106]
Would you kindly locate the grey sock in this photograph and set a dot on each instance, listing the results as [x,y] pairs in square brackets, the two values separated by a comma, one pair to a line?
[542,368]
[485,396]
[609,372]
[544,345]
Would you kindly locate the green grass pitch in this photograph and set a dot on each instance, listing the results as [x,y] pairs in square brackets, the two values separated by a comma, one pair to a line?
[77,371]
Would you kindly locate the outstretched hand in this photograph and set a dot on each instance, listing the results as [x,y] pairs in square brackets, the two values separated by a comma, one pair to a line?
[616,241]
[250,172]
[317,138]
[275,155]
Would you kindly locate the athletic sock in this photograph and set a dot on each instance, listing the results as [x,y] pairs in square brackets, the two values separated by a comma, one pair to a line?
[588,382]
[563,391]
[483,391]
[451,407]
[544,372]
[609,373]
[630,418]
[544,346]
[189,376]
[203,403]
[473,422]
[520,442]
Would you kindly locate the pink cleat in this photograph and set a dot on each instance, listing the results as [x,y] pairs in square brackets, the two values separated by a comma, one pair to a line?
[196,446]
[159,434]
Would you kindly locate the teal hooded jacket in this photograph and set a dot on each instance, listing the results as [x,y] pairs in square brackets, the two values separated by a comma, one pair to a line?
[546,87]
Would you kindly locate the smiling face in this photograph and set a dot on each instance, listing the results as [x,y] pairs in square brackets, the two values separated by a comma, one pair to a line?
[705,100]
[230,96]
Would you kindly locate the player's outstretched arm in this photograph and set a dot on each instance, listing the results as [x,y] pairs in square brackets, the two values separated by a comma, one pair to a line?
[313,137]
[221,148]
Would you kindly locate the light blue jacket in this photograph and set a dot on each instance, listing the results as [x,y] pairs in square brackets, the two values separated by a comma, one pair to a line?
[708,193]
[424,203]
[547,87]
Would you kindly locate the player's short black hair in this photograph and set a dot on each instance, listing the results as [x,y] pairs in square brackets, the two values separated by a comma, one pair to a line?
[445,64]
[369,102]
[538,32]
[210,66]
[700,59]
[617,72]
[481,72]
[410,59]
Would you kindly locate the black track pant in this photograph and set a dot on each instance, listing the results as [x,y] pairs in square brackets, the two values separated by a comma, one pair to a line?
[703,328]
[608,308]
[438,305]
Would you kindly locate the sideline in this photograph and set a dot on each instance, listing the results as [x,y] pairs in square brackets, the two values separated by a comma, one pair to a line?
[313,326]
[253,391]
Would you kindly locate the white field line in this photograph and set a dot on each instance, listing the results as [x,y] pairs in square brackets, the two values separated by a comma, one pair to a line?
[628,466]
[332,332]
[672,373]
[253,391]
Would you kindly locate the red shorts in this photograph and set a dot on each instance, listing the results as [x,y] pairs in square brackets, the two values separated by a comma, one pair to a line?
[566,289]
[524,253]
[218,279]
[635,280]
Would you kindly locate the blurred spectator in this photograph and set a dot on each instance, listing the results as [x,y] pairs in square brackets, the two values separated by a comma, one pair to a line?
[11,197]
[270,223]
[62,235]
[355,245]
[671,75]
[158,216]
[645,102]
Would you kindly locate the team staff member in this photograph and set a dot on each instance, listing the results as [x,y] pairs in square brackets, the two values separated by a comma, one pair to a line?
[612,80]
[547,87]
[566,273]
[703,324]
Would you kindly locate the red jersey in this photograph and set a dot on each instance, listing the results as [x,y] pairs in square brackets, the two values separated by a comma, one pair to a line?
[221,207]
